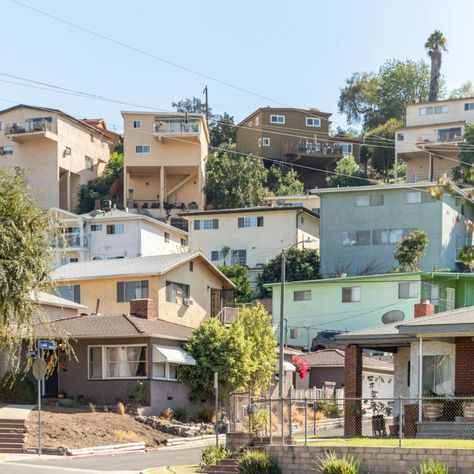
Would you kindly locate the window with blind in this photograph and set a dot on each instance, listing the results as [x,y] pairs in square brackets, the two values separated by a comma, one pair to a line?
[176,292]
[131,290]
[250,221]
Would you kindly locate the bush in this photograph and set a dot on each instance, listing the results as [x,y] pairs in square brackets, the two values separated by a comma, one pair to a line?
[331,464]
[257,462]
[210,455]
[180,414]
[328,409]
[167,414]
[138,391]
[205,415]
[17,390]
[431,467]
[120,408]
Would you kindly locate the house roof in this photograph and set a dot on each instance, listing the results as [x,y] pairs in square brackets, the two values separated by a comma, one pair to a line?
[243,210]
[43,298]
[284,109]
[137,266]
[336,358]
[60,112]
[94,327]
[434,102]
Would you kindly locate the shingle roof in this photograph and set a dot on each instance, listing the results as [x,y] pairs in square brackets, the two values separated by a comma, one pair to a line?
[78,327]
[456,316]
[336,358]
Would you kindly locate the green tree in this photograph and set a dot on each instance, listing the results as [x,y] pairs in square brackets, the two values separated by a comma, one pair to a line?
[301,264]
[191,106]
[381,154]
[283,183]
[410,251]
[99,188]
[25,255]
[462,173]
[435,45]
[239,275]
[347,173]
[464,90]
[234,180]
[256,324]
[373,98]
[217,349]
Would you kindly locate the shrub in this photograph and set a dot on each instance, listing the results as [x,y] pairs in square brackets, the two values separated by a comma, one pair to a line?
[138,391]
[167,414]
[431,467]
[180,414]
[205,415]
[257,462]
[120,408]
[331,464]
[17,390]
[328,409]
[210,455]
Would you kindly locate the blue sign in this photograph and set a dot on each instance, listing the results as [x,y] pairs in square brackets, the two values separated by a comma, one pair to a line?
[47,345]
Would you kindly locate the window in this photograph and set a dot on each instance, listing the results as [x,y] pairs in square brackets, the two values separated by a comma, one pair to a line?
[400,137]
[345,148]
[293,333]
[172,372]
[358,237]
[369,200]
[351,294]
[238,257]
[191,266]
[313,122]
[165,371]
[257,120]
[137,124]
[206,224]
[217,255]
[302,295]
[92,138]
[250,221]
[408,289]
[277,119]
[449,134]
[266,141]
[115,229]
[89,162]
[176,292]
[70,292]
[97,257]
[167,237]
[380,237]
[437,374]
[142,149]
[469,106]
[131,290]
[96,227]
[183,241]
[431,292]
[439,109]
[115,258]
[6,150]
[115,362]
[415,197]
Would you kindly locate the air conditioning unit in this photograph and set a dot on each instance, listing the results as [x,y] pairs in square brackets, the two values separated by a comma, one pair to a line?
[188,302]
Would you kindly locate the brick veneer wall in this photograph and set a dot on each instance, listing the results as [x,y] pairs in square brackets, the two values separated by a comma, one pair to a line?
[143,308]
[353,389]
[464,371]
[301,459]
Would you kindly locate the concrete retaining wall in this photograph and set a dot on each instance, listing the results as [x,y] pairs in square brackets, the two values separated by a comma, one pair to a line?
[301,459]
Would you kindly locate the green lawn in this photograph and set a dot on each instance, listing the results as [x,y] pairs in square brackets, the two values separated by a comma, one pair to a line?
[393,443]
[189,469]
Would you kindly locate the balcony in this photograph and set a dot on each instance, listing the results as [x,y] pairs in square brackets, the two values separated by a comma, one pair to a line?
[176,128]
[425,177]
[447,135]
[32,129]
[71,240]
[315,148]
[228,315]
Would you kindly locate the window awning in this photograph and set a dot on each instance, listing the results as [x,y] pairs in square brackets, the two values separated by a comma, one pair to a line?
[171,354]
[288,366]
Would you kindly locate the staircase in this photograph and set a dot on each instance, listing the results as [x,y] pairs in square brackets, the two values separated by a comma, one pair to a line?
[12,435]
[226,466]
[445,430]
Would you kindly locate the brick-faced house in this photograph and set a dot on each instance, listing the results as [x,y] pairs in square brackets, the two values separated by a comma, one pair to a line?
[443,342]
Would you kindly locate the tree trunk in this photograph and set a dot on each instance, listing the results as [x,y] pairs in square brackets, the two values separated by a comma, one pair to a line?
[435,74]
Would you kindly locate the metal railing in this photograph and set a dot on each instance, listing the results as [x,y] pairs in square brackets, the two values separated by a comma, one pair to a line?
[30,126]
[418,177]
[228,315]
[176,127]
[382,422]
[312,147]
[70,240]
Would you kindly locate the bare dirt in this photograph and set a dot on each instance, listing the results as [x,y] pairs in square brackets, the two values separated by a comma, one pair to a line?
[81,428]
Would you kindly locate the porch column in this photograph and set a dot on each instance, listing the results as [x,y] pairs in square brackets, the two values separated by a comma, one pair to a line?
[162,191]
[68,190]
[200,185]
[353,389]
[431,170]
[420,380]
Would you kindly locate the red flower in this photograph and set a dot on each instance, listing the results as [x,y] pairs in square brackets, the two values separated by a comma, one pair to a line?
[301,365]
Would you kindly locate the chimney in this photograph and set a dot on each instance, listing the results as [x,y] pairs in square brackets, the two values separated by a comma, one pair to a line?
[143,308]
[425,308]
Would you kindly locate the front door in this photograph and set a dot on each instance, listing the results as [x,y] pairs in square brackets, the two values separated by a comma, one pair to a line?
[215,302]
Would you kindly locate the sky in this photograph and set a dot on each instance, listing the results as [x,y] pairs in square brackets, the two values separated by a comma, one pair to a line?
[274,53]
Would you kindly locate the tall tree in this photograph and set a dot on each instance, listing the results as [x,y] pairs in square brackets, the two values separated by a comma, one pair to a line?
[191,106]
[347,173]
[410,251]
[435,45]
[283,182]
[240,276]
[464,90]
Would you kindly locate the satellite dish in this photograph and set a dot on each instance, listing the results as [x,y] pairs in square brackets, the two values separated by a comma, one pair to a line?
[394,316]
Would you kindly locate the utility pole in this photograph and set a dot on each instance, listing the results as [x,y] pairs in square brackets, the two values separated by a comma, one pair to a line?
[282,325]
[205,92]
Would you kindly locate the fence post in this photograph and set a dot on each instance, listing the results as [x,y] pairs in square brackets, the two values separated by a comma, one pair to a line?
[290,420]
[305,421]
[400,421]
[270,418]
[282,413]
[250,412]
[315,404]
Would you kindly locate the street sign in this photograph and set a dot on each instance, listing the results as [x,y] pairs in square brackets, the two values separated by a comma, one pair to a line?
[47,345]
[39,369]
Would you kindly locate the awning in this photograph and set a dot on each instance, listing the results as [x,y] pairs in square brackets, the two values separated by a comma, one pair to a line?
[288,366]
[171,354]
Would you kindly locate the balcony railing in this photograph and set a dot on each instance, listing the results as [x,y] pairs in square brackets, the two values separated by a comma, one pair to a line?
[71,240]
[155,204]
[30,126]
[419,177]
[440,138]
[312,147]
[176,127]
[227,315]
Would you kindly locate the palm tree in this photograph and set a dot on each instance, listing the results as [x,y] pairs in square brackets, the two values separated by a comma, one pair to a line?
[435,44]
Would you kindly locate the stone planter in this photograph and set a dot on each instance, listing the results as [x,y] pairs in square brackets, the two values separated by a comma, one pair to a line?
[468,410]
[432,411]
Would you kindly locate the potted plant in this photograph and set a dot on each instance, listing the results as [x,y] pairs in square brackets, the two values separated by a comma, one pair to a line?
[433,406]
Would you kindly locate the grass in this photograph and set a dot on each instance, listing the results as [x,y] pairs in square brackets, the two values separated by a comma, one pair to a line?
[393,442]
[188,469]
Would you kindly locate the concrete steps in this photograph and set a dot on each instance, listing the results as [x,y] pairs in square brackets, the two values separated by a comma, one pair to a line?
[12,435]
[226,466]
[445,430]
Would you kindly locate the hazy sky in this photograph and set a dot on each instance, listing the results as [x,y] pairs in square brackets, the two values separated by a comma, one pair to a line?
[296,53]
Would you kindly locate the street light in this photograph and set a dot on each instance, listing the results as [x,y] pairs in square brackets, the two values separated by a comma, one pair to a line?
[282,312]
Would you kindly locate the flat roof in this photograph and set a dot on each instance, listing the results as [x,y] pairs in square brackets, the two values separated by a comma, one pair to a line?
[243,210]
[284,109]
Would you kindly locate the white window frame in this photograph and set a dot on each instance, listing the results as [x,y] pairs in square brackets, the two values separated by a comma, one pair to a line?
[9,149]
[167,371]
[468,106]
[115,227]
[313,122]
[303,295]
[137,124]
[278,119]
[358,294]
[413,290]
[142,149]
[266,141]
[349,146]
[104,364]
[96,227]
[400,137]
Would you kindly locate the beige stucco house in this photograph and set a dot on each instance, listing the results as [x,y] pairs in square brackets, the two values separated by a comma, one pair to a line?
[429,142]
[57,152]
[310,201]
[184,288]
[165,162]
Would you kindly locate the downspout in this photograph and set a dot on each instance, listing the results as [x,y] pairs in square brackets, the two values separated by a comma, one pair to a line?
[420,380]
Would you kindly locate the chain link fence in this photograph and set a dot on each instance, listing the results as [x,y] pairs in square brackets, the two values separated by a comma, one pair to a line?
[409,422]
